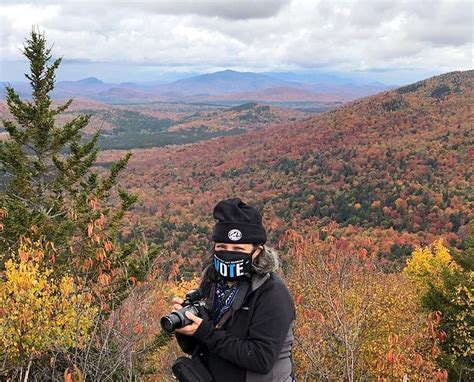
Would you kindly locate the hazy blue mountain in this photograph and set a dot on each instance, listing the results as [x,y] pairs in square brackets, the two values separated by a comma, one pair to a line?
[225,82]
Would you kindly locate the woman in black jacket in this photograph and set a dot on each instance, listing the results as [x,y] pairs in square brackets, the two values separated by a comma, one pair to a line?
[249,334]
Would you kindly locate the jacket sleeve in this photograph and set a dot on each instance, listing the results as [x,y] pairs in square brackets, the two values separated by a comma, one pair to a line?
[272,316]
[186,343]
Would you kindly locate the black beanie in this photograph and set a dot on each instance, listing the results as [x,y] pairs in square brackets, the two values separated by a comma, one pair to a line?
[238,223]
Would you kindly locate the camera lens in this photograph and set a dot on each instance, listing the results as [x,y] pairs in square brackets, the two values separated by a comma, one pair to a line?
[170,323]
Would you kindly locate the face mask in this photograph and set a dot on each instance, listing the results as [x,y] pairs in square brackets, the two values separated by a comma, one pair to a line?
[232,265]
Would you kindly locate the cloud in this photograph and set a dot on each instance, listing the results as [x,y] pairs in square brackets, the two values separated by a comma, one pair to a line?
[227,9]
[248,34]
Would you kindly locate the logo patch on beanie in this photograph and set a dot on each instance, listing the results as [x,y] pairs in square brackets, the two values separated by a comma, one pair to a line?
[234,235]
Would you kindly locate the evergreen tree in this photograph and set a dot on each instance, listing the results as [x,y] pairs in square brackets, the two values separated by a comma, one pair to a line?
[51,191]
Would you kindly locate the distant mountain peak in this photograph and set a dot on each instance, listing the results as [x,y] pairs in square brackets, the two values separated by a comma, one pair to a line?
[90,81]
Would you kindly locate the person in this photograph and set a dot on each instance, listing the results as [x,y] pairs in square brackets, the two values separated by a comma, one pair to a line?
[248,335]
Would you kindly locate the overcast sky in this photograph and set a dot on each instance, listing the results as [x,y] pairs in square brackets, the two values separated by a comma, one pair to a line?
[389,41]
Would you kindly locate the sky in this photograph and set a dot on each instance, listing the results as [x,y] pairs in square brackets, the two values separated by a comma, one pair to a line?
[393,42]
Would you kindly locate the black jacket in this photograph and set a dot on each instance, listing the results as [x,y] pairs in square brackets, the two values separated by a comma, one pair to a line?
[254,344]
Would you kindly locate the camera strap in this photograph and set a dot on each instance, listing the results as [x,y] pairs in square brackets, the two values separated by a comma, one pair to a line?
[241,294]
[236,304]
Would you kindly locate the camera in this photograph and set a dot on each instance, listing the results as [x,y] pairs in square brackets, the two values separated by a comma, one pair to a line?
[193,303]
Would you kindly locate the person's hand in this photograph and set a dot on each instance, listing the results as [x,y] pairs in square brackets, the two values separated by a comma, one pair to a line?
[189,330]
[177,303]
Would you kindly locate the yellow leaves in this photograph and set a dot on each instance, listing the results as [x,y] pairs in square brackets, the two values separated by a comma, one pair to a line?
[174,289]
[426,263]
[31,300]
[66,286]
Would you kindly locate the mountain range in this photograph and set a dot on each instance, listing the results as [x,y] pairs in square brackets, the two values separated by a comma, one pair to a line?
[223,85]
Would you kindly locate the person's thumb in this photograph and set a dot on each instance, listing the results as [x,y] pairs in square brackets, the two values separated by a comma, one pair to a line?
[192,317]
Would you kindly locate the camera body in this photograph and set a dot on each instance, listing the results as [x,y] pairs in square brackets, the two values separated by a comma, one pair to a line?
[193,303]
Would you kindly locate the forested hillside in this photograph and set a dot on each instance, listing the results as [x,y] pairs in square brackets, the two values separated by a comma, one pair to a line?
[397,164]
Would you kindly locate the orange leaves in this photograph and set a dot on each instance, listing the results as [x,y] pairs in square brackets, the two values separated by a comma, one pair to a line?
[362,254]
[340,295]
[90,229]
[93,203]
[99,223]
[88,263]
[138,328]
[23,254]
[418,360]
[391,356]
[73,374]
[100,255]
[414,355]
[434,351]
[104,279]
[108,246]
[298,299]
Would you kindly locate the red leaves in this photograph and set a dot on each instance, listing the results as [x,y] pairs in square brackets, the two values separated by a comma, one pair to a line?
[440,375]
[442,336]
